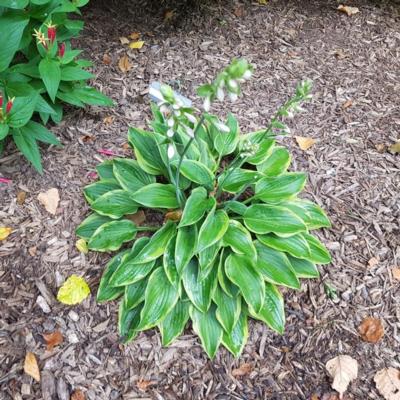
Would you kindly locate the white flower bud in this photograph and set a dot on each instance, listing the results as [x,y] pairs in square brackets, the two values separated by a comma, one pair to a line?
[177,113]
[233,84]
[232,96]
[247,74]
[170,133]
[222,127]
[171,151]
[207,104]
[170,122]
[191,118]
[164,109]
[220,94]
[189,131]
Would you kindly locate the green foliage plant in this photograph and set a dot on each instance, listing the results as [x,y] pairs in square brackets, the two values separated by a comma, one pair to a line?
[233,229]
[39,71]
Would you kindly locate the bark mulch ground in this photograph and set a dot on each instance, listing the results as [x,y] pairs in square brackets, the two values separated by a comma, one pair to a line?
[355,63]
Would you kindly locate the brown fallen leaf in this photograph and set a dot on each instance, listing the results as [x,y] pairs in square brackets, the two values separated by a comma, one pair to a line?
[21,197]
[396,273]
[138,218]
[31,366]
[50,200]
[239,11]
[348,10]
[5,232]
[387,382]
[134,36]
[168,15]
[53,339]
[305,142]
[347,104]
[143,384]
[371,330]
[108,120]
[343,369]
[373,262]
[32,251]
[78,395]
[380,147]
[124,64]
[173,216]
[107,59]
[395,148]
[244,369]
[124,40]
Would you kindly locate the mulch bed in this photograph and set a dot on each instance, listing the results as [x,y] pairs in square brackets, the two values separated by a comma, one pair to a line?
[351,59]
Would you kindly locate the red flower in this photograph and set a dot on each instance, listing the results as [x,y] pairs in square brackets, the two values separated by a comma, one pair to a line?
[61,50]
[1,101]
[51,33]
[9,105]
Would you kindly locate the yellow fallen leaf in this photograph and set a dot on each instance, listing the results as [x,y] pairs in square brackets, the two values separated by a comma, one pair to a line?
[4,232]
[348,10]
[388,383]
[343,369]
[124,64]
[73,291]
[50,200]
[124,40]
[305,142]
[31,367]
[81,245]
[136,45]
[395,148]
[263,2]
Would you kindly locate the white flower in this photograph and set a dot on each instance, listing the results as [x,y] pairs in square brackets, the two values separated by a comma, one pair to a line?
[170,133]
[220,94]
[156,95]
[222,127]
[247,74]
[189,131]
[232,97]
[170,122]
[207,104]
[164,109]
[177,113]
[233,84]
[191,118]
[171,151]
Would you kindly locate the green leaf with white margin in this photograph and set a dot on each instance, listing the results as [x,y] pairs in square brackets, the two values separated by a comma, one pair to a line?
[196,205]
[112,235]
[169,262]
[213,229]
[228,309]
[207,328]
[236,207]
[115,204]
[50,73]
[226,143]
[186,241]
[160,299]
[272,311]
[237,180]
[134,293]
[295,245]
[314,216]
[227,286]
[174,323]
[128,321]
[319,253]
[199,293]
[264,150]
[89,225]
[28,147]
[241,271]
[130,176]
[236,340]
[156,195]
[128,271]
[207,259]
[105,170]
[157,244]
[277,163]
[279,188]
[239,239]
[263,218]
[196,172]
[303,268]
[105,291]
[275,267]
[93,191]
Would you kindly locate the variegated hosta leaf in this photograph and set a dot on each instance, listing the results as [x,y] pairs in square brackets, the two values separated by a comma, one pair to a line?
[174,323]
[237,338]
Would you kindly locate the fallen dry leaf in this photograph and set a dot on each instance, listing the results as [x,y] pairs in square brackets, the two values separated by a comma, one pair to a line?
[387,382]
[348,10]
[347,104]
[168,15]
[343,369]
[108,120]
[50,200]
[396,273]
[124,64]
[373,262]
[107,59]
[244,369]
[263,2]
[395,148]
[173,216]
[21,197]
[78,395]
[31,366]
[142,384]
[138,218]
[53,339]
[5,232]
[134,36]
[371,330]
[124,40]
[32,251]
[136,45]
[239,11]
[305,142]
[73,291]
[380,147]
[82,246]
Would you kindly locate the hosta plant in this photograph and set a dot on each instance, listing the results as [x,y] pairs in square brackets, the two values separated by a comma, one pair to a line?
[39,71]
[228,228]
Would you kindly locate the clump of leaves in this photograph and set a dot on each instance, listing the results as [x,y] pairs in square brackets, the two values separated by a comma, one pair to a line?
[234,229]
[39,71]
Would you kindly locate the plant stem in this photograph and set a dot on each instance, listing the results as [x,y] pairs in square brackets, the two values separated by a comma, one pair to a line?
[147,228]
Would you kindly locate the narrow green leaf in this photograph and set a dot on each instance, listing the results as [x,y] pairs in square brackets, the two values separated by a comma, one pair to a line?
[115,204]
[71,73]
[207,259]
[28,147]
[88,227]
[236,207]
[240,270]
[295,245]
[130,176]
[186,241]
[207,328]
[169,262]
[275,267]
[237,180]
[160,299]
[213,229]
[105,170]
[134,293]
[174,323]
[50,73]
[228,309]
[128,321]
[239,239]
[196,205]
[157,195]
[197,172]
[39,132]
[303,268]
[227,285]
[95,190]
[236,340]
[316,217]
[319,253]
